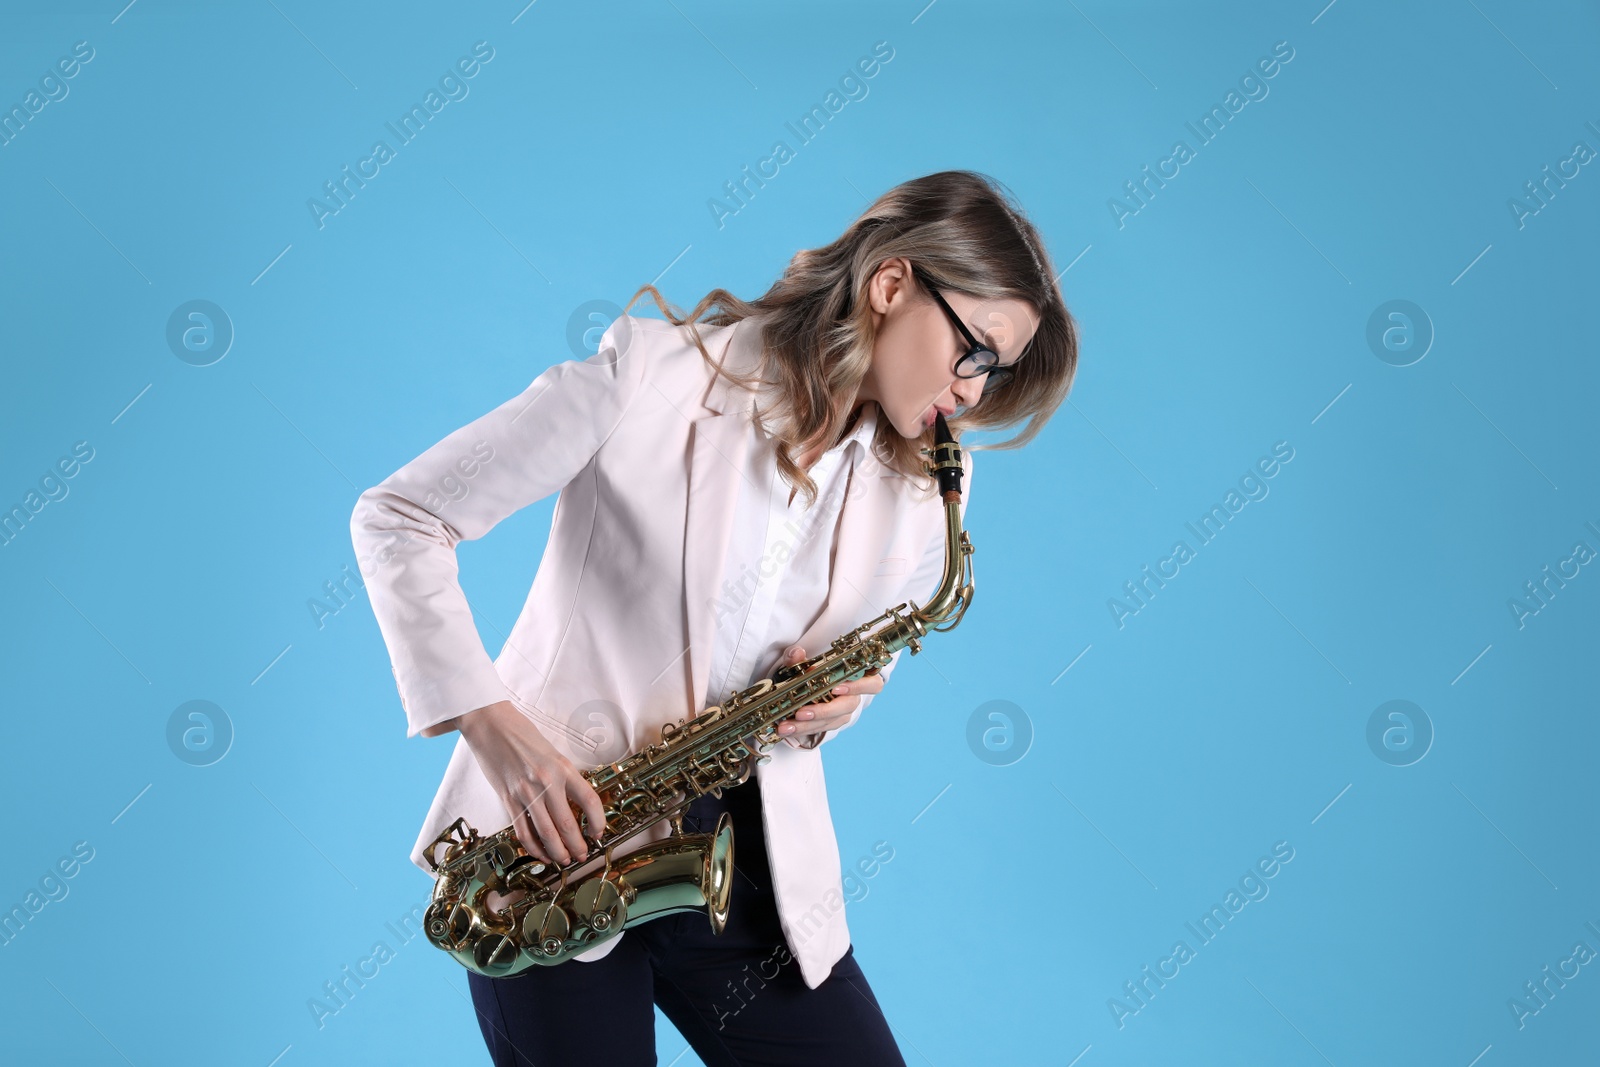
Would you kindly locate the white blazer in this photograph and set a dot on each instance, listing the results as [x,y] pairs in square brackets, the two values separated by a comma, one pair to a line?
[646,447]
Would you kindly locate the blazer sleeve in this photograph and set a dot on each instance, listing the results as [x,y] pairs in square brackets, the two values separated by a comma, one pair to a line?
[406,528]
[919,588]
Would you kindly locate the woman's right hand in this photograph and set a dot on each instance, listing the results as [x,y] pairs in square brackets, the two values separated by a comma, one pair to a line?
[536,783]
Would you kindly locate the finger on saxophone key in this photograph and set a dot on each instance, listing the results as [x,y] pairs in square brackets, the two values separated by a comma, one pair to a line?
[594,810]
[566,824]
[529,837]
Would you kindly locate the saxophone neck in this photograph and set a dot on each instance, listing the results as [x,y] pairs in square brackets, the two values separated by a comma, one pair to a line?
[949,602]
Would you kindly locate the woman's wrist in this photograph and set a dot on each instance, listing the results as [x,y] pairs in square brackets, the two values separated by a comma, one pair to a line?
[459,722]
[471,723]
[444,726]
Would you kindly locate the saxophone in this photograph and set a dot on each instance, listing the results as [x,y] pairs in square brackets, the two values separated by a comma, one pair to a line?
[499,911]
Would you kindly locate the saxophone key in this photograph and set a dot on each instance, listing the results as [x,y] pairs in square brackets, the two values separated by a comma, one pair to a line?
[501,855]
[598,904]
[495,954]
[448,923]
[546,928]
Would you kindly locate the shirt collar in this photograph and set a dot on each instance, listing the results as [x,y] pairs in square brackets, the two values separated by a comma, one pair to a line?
[866,425]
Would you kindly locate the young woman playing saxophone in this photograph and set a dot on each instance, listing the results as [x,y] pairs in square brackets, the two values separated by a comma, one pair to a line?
[736,490]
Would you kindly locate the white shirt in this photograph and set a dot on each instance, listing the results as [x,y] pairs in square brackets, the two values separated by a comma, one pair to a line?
[780,557]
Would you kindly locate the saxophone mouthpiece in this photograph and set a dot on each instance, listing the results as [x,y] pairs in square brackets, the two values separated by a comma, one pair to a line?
[949,475]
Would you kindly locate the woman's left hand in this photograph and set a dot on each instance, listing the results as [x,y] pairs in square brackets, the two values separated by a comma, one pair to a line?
[816,719]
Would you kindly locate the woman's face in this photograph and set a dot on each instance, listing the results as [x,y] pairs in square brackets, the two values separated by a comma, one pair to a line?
[913,372]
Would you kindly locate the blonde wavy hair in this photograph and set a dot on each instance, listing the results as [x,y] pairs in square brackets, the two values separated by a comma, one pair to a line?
[964,232]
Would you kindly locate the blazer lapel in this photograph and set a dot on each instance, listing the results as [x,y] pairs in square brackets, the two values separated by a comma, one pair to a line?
[719,455]
[866,526]
[717,459]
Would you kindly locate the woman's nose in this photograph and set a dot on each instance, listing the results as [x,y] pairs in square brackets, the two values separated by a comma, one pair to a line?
[968,390]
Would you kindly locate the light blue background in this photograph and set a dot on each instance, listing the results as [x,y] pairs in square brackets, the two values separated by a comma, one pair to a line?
[1228,314]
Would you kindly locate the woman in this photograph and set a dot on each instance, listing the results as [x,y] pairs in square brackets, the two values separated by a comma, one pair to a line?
[719,516]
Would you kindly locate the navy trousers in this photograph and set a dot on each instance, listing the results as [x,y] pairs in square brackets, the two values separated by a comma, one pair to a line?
[737,997]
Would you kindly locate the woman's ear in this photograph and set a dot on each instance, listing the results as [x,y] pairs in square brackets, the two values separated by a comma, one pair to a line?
[889,282]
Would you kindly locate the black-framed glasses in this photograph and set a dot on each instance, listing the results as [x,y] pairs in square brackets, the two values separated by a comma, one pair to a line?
[979,358]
